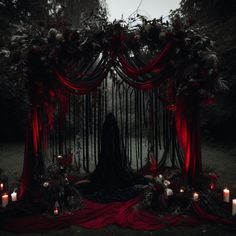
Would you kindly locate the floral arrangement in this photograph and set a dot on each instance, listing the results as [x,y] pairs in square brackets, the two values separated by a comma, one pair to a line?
[194,63]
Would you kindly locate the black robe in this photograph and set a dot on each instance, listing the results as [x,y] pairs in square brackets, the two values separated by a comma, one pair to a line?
[112,169]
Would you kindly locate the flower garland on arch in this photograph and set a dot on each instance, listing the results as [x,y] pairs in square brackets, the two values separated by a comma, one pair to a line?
[141,53]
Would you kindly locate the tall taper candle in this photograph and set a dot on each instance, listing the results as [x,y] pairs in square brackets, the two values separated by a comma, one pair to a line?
[226,194]
[234,207]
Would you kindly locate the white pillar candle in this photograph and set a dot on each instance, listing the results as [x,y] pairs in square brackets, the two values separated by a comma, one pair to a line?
[234,207]
[14,197]
[4,200]
[195,197]
[226,194]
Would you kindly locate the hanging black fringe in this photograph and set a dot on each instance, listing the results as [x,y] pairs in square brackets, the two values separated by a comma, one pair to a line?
[87,132]
[140,129]
[131,111]
[95,130]
[146,126]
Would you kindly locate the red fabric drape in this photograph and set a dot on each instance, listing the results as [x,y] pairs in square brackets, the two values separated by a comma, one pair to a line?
[154,64]
[41,119]
[96,215]
[36,123]
[82,88]
[125,214]
[188,133]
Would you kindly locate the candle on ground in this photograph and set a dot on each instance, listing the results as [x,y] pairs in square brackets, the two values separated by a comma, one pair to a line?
[234,207]
[14,197]
[212,186]
[226,194]
[195,196]
[56,211]
[4,200]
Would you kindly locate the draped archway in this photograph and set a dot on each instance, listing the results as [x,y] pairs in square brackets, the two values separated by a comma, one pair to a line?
[172,60]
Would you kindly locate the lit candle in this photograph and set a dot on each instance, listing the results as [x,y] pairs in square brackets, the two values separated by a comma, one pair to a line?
[181,190]
[56,211]
[4,200]
[14,197]
[212,186]
[195,196]
[234,207]
[1,186]
[226,194]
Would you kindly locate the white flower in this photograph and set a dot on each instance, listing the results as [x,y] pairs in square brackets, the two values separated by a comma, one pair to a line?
[6,53]
[169,192]
[45,184]
[160,176]
[59,37]
[52,33]
[159,179]
[166,182]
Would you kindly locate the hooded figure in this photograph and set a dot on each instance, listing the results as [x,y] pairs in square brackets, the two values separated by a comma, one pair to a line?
[111,170]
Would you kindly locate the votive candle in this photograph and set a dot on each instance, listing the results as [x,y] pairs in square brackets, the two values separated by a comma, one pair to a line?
[234,207]
[56,211]
[4,200]
[195,196]
[226,195]
[14,197]
[212,186]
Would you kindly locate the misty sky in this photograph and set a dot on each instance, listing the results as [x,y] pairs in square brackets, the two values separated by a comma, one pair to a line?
[148,8]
